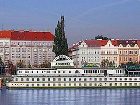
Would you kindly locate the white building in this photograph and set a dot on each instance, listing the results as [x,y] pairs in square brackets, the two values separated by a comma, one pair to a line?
[109,51]
[87,51]
[26,46]
[94,51]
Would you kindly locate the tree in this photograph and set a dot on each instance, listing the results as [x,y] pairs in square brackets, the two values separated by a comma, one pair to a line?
[101,37]
[21,64]
[104,63]
[2,67]
[45,64]
[60,46]
[10,68]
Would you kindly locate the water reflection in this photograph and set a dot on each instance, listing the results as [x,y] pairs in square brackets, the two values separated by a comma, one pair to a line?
[70,97]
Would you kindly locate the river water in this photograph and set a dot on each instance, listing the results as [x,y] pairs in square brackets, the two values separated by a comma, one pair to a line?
[70,97]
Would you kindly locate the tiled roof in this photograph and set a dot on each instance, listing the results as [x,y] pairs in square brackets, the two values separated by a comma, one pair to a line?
[99,43]
[126,42]
[27,35]
[5,34]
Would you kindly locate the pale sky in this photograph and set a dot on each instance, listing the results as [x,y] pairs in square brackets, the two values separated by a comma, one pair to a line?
[84,19]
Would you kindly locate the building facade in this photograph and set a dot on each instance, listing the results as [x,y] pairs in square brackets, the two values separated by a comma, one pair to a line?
[115,51]
[128,51]
[32,48]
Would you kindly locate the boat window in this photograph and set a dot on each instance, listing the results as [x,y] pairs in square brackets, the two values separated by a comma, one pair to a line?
[74,79]
[135,78]
[105,79]
[32,79]
[64,79]
[43,84]
[69,71]
[85,79]
[53,79]
[48,79]
[43,79]
[77,71]
[37,79]
[27,79]
[90,84]
[79,79]
[130,78]
[16,79]
[95,79]
[21,79]
[59,79]
[37,84]
[125,84]
[85,84]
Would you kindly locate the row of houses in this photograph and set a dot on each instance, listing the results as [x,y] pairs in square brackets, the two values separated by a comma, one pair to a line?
[95,51]
[34,48]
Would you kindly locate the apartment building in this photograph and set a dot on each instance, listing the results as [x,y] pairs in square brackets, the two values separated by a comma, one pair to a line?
[28,46]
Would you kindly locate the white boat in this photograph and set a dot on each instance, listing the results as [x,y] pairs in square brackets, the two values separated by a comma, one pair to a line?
[63,74]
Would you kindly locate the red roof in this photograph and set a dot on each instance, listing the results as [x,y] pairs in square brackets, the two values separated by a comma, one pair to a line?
[5,34]
[99,43]
[27,35]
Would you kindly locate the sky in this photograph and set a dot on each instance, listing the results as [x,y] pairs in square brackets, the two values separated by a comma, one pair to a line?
[84,19]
